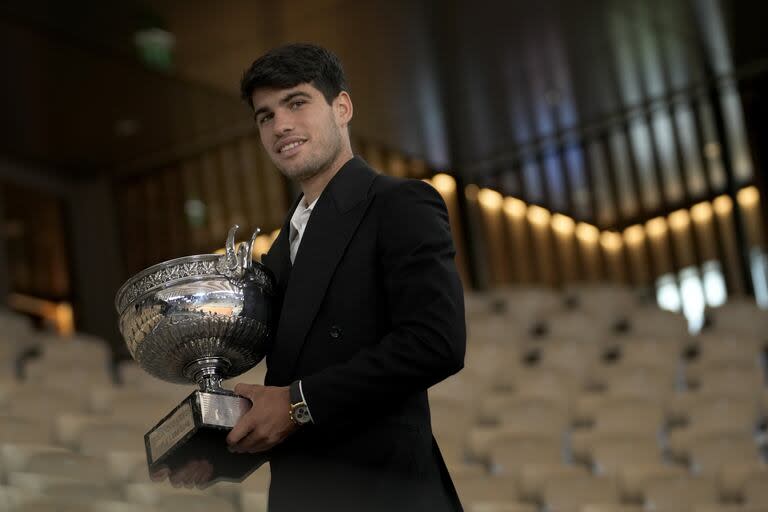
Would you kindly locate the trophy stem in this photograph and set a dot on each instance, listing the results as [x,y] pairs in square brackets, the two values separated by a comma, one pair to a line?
[207,372]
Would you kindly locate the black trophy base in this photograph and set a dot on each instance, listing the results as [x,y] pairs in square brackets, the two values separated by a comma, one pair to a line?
[196,430]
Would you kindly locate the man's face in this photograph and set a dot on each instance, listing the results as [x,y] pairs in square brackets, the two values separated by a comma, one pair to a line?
[300,131]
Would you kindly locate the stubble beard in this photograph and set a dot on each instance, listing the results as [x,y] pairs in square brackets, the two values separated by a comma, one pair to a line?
[316,165]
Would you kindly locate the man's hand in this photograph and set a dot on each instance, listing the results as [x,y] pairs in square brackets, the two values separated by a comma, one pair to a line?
[268,421]
[195,473]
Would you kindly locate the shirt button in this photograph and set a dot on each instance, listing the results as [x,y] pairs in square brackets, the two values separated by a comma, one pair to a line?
[335,332]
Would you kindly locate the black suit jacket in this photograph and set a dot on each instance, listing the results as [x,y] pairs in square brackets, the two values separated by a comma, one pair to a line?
[371,315]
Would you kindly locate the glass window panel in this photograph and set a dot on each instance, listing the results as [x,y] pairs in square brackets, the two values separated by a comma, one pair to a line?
[555,180]
[606,213]
[622,168]
[737,138]
[574,156]
[641,142]
[686,130]
[532,181]
[714,161]
[662,130]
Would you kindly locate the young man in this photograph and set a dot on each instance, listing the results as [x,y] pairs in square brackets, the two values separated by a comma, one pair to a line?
[371,310]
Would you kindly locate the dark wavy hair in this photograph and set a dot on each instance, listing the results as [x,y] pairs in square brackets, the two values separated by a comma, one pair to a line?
[294,64]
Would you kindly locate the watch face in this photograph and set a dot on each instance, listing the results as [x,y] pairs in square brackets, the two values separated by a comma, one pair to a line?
[301,414]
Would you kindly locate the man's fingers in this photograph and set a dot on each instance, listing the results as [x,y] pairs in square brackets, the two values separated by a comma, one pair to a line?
[160,474]
[246,390]
[241,429]
[252,443]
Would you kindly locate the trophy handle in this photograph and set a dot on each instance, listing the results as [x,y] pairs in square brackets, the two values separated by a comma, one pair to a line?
[248,255]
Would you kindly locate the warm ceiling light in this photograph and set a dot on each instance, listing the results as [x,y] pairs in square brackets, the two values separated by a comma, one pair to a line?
[722,205]
[634,235]
[538,215]
[656,227]
[748,197]
[514,207]
[563,224]
[587,232]
[701,212]
[444,183]
[490,199]
[610,240]
[679,219]
[471,191]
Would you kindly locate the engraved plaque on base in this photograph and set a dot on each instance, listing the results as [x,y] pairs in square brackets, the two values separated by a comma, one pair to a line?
[197,429]
[200,319]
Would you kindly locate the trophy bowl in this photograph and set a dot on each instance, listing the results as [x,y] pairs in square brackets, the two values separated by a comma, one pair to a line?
[199,319]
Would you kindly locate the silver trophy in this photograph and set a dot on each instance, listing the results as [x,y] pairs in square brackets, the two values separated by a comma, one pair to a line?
[200,319]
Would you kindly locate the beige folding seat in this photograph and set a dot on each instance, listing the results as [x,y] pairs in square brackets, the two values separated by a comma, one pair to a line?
[50,504]
[483,440]
[68,465]
[572,494]
[42,403]
[655,323]
[166,497]
[578,327]
[709,454]
[486,488]
[724,350]
[542,382]
[724,414]
[681,404]
[510,454]
[533,477]
[633,477]
[11,497]
[127,466]
[610,455]
[582,441]
[630,416]
[15,457]
[25,430]
[527,415]
[734,476]
[637,380]
[739,318]
[654,353]
[63,488]
[655,399]
[570,356]
[451,425]
[96,435]
[731,380]
[680,494]
[500,506]
[756,490]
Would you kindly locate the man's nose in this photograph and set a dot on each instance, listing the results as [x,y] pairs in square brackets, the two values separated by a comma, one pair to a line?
[282,124]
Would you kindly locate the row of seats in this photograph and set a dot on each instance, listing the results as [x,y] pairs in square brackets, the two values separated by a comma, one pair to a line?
[583,400]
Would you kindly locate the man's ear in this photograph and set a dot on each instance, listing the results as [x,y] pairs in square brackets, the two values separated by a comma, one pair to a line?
[342,107]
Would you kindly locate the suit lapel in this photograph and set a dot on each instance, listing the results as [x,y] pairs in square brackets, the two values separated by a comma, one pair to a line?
[334,220]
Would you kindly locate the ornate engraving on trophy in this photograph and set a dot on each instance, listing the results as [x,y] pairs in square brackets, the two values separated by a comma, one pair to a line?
[171,431]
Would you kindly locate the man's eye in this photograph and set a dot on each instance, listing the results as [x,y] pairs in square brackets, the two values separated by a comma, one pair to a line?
[263,119]
[297,104]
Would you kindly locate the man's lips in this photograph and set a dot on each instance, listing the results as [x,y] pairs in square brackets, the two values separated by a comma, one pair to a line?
[289,145]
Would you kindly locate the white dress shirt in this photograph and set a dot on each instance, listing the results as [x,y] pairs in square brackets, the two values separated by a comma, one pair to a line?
[299,222]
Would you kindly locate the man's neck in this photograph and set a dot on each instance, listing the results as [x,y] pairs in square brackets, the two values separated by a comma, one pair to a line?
[314,186]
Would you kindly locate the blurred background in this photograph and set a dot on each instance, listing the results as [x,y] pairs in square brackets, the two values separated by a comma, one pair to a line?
[602,165]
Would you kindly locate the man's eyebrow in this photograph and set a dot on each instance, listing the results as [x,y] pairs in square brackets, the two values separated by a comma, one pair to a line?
[283,101]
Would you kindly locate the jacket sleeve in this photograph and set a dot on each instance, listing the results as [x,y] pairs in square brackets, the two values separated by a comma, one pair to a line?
[427,339]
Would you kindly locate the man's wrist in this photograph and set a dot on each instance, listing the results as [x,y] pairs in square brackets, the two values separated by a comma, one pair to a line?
[299,410]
